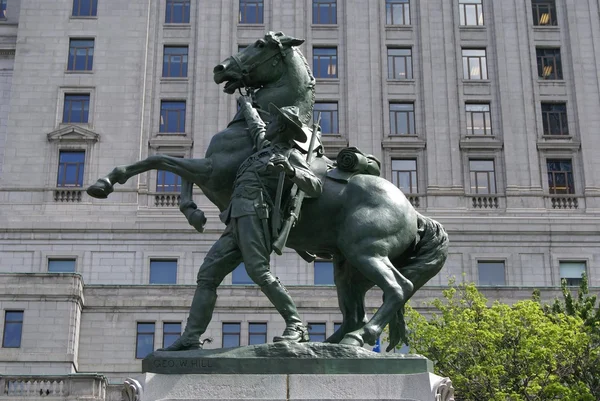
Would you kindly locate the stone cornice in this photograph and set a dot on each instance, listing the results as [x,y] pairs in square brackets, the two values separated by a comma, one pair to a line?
[73,133]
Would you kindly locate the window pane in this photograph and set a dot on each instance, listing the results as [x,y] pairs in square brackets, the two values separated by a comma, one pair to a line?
[61,265]
[257,333]
[175,61]
[70,169]
[325,62]
[163,271]
[172,116]
[240,276]
[491,273]
[329,117]
[323,273]
[177,12]
[171,332]
[145,340]
[76,108]
[13,329]
[231,335]
[316,332]
[251,12]
[571,269]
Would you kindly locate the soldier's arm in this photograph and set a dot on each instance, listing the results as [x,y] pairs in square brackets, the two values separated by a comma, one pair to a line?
[303,176]
[256,126]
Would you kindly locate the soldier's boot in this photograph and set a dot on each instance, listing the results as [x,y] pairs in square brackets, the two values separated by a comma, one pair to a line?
[294,331]
[201,312]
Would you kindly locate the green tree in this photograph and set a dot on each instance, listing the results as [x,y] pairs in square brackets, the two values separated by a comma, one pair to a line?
[502,352]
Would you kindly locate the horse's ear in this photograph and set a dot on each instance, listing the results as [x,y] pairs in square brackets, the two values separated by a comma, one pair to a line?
[290,41]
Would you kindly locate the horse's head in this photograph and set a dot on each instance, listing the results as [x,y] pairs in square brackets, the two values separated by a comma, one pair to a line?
[258,64]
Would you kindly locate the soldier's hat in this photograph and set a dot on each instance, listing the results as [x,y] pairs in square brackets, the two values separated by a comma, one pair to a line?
[292,116]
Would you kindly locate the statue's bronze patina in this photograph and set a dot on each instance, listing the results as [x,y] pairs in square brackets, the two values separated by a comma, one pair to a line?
[363,222]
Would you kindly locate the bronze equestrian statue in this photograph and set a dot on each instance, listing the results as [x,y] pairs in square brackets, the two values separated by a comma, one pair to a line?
[369,227]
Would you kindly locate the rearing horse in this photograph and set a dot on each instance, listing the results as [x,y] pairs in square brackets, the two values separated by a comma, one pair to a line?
[374,234]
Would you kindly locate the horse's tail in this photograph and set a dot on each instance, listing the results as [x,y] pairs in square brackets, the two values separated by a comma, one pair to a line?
[419,265]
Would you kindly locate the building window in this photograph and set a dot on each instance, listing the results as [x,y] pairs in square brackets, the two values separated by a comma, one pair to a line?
[323,272]
[251,11]
[491,273]
[240,276]
[324,11]
[316,331]
[167,181]
[81,55]
[61,265]
[399,63]
[3,9]
[404,175]
[548,62]
[172,116]
[70,169]
[178,12]
[83,8]
[76,108]
[560,176]
[572,272]
[257,333]
[474,64]
[471,12]
[544,12]
[13,329]
[144,340]
[325,62]
[171,332]
[329,116]
[397,12]
[231,335]
[483,178]
[163,271]
[175,61]
[336,326]
[402,118]
[554,118]
[479,121]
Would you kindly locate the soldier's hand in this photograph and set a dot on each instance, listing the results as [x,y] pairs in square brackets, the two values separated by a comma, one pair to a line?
[244,101]
[281,163]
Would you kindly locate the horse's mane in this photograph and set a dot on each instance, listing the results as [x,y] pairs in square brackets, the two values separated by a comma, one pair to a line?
[311,85]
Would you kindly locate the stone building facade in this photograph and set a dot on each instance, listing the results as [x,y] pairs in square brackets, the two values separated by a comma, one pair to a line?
[484,112]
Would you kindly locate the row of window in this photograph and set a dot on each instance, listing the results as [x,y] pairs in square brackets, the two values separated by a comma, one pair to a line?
[325,11]
[493,273]
[164,271]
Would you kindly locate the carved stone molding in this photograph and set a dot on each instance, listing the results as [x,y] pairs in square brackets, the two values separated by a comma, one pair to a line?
[73,133]
[444,391]
[132,390]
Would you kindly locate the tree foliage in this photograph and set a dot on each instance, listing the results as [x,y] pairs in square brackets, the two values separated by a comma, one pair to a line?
[527,351]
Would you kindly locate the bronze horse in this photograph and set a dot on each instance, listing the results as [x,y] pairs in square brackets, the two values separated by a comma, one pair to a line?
[369,227]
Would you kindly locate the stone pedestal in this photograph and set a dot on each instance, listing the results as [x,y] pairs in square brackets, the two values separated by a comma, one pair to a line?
[286,372]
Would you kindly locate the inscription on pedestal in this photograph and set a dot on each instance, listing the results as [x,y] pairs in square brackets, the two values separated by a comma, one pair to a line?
[183,363]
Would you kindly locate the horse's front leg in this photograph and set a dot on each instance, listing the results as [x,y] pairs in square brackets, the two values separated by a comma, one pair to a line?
[194,170]
[188,207]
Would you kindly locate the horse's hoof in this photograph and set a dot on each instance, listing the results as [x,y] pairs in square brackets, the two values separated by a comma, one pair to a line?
[101,189]
[352,339]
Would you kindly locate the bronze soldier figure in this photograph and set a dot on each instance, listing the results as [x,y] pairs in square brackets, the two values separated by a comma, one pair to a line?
[247,237]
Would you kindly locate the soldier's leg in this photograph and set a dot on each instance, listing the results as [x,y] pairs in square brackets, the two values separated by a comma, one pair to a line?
[222,258]
[256,254]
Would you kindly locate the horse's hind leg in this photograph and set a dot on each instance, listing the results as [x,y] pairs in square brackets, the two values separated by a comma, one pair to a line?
[194,170]
[396,287]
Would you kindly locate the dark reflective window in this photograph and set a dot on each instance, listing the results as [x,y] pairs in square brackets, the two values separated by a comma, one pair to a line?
[84,8]
[163,272]
[175,61]
[76,108]
[251,11]
[231,335]
[323,272]
[257,333]
[316,331]
[483,177]
[61,265]
[324,11]
[491,273]
[13,329]
[560,176]
[544,12]
[399,63]
[177,12]
[471,12]
[3,9]
[404,175]
[144,340]
[240,276]
[336,326]
[554,118]
[81,55]
[329,116]
[171,332]
[397,12]
[70,169]
[402,118]
[167,181]
[325,62]
[549,64]
[172,116]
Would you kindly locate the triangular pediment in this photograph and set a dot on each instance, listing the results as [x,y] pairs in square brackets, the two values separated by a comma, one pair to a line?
[73,133]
